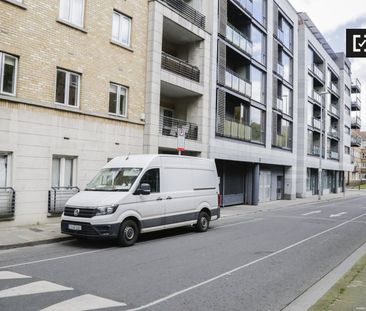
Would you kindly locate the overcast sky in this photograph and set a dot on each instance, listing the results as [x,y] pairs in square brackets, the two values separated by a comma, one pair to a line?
[332,17]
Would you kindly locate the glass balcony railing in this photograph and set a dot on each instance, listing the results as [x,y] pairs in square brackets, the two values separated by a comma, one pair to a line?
[314,150]
[280,69]
[283,141]
[170,126]
[318,97]
[245,132]
[238,84]
[356,122]
[318,72]
[278,104]
[333,132]
[356,86]
[334,110]
[317,123]
[356,104]
[334,88]
[246,5]
[356,140]
[333,155]
[238,39]
[280,35]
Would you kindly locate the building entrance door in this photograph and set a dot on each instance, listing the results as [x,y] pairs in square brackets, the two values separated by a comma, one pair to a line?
[265,186]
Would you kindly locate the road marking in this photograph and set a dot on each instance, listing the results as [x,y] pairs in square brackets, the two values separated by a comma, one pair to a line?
[239,223]
[311,213]
[54,258]
[85,303]
[33,288]
[337,215]
[228,273]
[9,275]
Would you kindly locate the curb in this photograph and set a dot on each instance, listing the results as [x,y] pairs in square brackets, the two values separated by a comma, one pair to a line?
[34,243]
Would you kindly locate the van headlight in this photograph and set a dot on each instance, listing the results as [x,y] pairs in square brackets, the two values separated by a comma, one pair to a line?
[106,210]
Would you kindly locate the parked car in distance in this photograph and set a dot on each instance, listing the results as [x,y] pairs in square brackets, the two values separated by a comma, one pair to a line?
[143,193]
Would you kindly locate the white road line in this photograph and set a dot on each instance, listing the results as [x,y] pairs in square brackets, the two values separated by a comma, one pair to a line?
[33,288]
[9,275]
[311,213]
[239,223]
[337,215]
[53,258]
[228,273]
[84,303]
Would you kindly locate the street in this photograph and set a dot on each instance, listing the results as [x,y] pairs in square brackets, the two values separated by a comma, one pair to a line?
[261,262]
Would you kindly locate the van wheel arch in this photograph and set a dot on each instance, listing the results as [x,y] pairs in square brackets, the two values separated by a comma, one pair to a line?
[138,223]
[206,210]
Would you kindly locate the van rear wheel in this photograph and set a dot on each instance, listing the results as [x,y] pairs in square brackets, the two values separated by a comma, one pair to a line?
[203,222]
[128,233]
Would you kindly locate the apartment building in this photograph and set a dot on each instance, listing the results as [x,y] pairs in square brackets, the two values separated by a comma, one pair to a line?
[361,163]
[178,75]
[253,133]
[324,122]
[72,96]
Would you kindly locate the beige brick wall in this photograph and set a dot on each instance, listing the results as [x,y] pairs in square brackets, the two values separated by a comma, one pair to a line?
[43,44]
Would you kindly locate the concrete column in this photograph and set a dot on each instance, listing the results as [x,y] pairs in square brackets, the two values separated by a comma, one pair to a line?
[255,189]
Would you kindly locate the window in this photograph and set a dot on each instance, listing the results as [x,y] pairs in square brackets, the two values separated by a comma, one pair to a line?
[67,88]
[347,150]
[286,61]
[3,170]
[287,32]
[348,111]
[257,124]
[121,28]
[152,177]
[258,85]
[260,11]
[259,45]
[287,100]
[118,99]
[8,69]
[347,130]
[63,171]
[310,86]
[72,11]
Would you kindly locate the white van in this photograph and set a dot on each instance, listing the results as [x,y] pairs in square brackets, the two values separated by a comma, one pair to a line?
[142,193]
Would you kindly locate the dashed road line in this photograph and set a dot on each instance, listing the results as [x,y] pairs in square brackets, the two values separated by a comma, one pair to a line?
[338,215]
[311,213]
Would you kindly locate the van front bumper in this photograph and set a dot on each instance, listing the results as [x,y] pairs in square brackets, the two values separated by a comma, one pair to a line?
[85,229]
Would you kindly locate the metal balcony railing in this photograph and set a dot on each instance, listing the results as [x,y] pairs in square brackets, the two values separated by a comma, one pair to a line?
[170,126]
[180,67]
[356,104]
[244,132]
[280,35]
[356,122]
[318,72]
[280,69]
[283,141]
[333,155]
[317,123]
[57,198]
[247,5]
[356,140]
[334,87]
[238,39]
[237,83]
[7,203]
[334,110]
[188,12]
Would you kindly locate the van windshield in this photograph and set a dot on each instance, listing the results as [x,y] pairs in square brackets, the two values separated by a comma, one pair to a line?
[114,179]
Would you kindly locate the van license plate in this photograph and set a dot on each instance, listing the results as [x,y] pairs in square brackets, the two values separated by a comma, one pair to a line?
[75,227]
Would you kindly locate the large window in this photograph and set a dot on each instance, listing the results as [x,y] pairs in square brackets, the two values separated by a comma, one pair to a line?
[258,85]
[287,66]
[287,33]
[63,171]
[118,99]
[67,88]
[121,29]
[287,100]
[8,69]
[152,177]
[259,45]
[72,11]
[260,11]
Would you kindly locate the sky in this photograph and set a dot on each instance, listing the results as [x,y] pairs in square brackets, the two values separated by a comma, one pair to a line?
[332,18]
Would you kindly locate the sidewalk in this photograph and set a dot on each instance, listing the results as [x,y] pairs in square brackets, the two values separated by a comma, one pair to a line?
[20,236]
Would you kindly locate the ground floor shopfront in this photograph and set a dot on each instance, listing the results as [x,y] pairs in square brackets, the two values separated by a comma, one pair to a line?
[331,182]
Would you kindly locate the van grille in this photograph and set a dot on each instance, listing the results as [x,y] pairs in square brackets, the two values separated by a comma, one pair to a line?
[83,212]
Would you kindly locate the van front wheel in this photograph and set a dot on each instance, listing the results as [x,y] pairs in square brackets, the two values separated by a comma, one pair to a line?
[203,222]
[128,233]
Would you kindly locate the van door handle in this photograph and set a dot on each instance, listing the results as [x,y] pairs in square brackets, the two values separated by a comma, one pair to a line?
[169,198]
[159,199]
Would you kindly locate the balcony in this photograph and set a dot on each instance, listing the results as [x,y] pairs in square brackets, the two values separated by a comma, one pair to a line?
[278,104]
[356,86]
[317,124]
[180,67]
[356,140]
[356,123]
[356,104]
[238,84]
[318,98]
[57,198]
[334,110]
[280,70]
[188,12]
[236,130]
[247,5]
[318,72]
[314,150]
[283,142]
[333,155]
[280,35]
[334,88]
[239,40]
[333,133]
[170,126]
[7,203]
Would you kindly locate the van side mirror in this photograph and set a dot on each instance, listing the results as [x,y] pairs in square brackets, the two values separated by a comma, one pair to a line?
[144,189]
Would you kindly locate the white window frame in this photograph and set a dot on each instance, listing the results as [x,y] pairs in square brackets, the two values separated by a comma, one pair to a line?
[62,170]
[118,103]
[70,9]
[129,19]
[67,88]
[2,63]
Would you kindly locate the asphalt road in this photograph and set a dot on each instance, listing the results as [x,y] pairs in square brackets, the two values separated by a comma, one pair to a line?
[261,262]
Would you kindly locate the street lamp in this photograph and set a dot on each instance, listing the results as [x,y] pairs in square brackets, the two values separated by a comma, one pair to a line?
[322,94]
